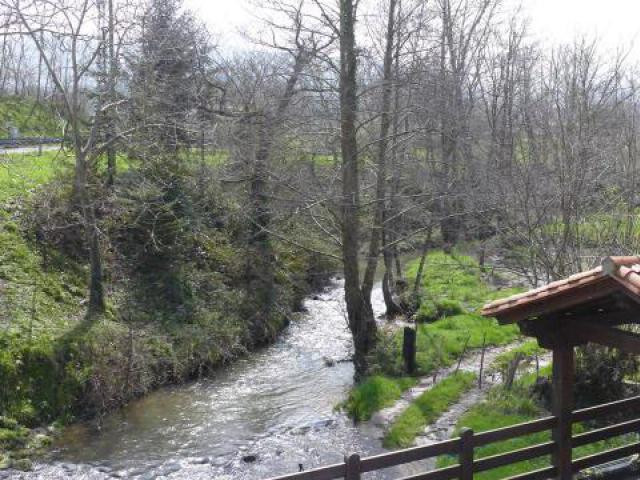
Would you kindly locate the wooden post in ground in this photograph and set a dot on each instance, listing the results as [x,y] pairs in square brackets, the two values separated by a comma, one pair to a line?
[484,348]
[465,457]
[409,350]
[562,406]
[352,464]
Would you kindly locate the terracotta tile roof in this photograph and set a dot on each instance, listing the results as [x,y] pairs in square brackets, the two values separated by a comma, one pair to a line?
[622,273]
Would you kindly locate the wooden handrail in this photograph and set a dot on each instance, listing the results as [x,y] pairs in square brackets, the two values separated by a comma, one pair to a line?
[519,430]
[606,456]
[386,460]
[605,433]
[445,473]
[321,473]
[541,474]
[514,456]
[465,445]
[605,409]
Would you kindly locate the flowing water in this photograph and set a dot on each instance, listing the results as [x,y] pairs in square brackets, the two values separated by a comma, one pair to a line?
[268,414]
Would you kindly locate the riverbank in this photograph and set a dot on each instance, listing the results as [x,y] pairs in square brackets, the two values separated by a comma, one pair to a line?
[174,314]
[259,417]
[448,327]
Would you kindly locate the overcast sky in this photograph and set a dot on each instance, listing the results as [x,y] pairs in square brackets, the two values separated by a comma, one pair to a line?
[615,22]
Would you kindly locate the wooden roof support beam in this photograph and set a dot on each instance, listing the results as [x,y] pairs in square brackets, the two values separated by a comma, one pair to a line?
[604,335]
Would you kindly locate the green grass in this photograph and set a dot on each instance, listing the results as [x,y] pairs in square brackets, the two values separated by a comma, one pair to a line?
[427,408]
[32,119]
[213,159]
[455,282]
[527,351]
[375,393]
[21,173]
[600,229]
[504,408]
[451,280]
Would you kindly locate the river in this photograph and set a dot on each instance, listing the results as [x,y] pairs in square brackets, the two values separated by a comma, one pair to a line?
[264,415]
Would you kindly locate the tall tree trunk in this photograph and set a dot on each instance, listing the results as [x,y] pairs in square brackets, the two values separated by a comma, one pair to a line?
[83,201]
[261,280]
[423,259]
[359,311]
[261,266]
[111,87]
[381,183]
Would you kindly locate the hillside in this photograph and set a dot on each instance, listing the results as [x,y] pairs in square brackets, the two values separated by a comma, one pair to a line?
[32,119]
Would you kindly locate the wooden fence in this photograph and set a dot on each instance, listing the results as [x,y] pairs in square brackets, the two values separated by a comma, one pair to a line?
[464,447]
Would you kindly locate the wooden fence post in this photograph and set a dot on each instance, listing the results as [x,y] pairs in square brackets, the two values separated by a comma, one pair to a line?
[484,348]
[562,407]
[465,457]
[352,464]
[409,349]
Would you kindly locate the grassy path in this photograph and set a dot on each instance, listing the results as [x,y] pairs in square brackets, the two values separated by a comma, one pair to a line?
[470,363]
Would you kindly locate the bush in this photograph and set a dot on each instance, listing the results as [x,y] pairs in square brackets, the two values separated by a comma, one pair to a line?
[600,374]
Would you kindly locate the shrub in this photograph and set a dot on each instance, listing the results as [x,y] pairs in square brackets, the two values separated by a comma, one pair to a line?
[448,307]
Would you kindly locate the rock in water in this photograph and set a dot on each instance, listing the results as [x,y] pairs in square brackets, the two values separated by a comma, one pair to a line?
[249,458]
[329,362]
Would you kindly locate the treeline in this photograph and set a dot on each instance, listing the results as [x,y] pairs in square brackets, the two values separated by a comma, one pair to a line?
[370,132]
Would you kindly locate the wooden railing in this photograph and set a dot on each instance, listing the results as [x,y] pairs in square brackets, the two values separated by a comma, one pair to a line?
[464,447]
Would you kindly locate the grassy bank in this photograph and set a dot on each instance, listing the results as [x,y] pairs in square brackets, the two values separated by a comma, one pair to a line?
[174,311]
[449,325]
[427,408]
[32,119]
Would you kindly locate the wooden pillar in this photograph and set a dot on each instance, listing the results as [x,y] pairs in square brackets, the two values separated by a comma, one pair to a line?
[352,464]
[465,457]
[562,406]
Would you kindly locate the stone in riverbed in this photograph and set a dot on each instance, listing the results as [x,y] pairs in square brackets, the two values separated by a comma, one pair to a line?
[169,468]
[249,458]
[329,362]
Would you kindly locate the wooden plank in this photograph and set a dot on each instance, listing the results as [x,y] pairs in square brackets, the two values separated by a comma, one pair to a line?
[446,473]
[606,335]
[391,459]
[632,403]
[465,457]
[562,405]
[500,434]
[606,432]
[329,472]
[527,453]
[606,456]
[541,474]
